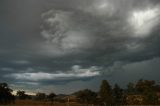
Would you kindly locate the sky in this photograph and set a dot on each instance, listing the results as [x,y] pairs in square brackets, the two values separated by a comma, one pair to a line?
[63,46]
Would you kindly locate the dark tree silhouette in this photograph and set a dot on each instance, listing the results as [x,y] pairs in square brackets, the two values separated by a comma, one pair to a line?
[105,93]
[145,90]
[51,97]
[130,88]
[150,97]
[40,96]
[117,94]
[148,89]
[22,95]
[6,96]
[86,96]
[142,85]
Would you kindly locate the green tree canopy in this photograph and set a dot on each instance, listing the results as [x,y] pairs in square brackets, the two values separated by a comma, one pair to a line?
[130,88]
[105,93]
[117,93]
[142,85]
[86,96]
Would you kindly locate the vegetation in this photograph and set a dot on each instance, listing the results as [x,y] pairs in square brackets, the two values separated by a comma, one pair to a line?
[40,96]
[86,96]
[6,96]
[143,92]
[117,95]
[22,95]
[105,93]
[51,96]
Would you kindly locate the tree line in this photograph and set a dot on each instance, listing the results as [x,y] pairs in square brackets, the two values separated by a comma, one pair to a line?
[142,92]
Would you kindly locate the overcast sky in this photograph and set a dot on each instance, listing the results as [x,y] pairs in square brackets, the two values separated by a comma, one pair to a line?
[67,45]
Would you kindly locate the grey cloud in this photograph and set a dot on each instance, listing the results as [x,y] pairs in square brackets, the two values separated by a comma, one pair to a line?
[76,72]
[7,69]
[106,38]
[53,35]
[148,69]
[21,62]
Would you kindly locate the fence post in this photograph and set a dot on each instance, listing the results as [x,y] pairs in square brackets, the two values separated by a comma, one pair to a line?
[68,102]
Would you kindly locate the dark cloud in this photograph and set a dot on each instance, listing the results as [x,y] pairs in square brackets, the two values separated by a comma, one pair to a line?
[114,39]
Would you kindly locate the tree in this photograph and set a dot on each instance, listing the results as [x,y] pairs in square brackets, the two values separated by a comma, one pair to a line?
[157,88]
[22,95]
[148,89]
[40,96]
[105,93]
[150,97]
[142,85]
[6,96]
[86,96]
[130,88]
[51,97]
[117,94]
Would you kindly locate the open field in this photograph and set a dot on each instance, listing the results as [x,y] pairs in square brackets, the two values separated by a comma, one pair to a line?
[42,103]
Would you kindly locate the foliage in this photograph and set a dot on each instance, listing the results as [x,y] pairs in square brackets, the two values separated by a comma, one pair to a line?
[130,88]
[117,94]
[6,96]
[51,96]
[142,85]
[143,92]
[86,96]
[105,93]
[150,96]
[22,95]
[40,96]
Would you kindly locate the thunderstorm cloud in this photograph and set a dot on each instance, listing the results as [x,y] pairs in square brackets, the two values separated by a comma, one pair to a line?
[55,44]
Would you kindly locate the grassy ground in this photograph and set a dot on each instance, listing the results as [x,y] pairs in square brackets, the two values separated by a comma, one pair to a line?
[42,103]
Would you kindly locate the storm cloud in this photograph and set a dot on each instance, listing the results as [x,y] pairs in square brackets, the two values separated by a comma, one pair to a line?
[63,42]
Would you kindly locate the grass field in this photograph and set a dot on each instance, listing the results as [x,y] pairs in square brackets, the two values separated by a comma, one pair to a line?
[43,103]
